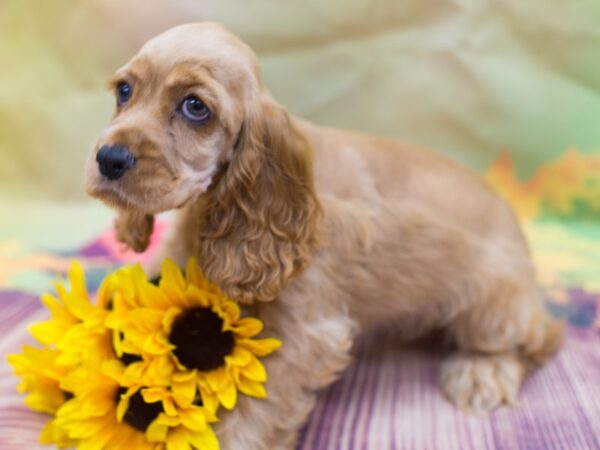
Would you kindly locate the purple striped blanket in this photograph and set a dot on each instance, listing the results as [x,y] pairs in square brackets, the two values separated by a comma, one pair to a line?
[389,398]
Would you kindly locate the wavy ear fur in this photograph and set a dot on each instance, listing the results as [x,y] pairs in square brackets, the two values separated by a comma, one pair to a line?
[134,229]
[258,221]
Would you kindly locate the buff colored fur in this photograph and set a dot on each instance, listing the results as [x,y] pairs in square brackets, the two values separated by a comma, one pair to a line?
[324,233]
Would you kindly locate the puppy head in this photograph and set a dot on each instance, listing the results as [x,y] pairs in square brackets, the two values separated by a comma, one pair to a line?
[180,106]
[191,112]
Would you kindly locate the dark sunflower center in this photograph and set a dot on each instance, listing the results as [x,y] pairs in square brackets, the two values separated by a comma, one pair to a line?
[129,358]
[139,414]
[200,340]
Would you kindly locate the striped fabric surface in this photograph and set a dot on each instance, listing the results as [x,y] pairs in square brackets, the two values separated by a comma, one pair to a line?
[389,398]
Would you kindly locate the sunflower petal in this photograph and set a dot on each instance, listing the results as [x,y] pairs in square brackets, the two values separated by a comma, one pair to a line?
[171,273]
[77,280]
[217,378]
[261,347]
[169,406]
[178,440]
[194,275]
[210,401]
[255,371]
[122,408]
[193,419]
[153,394]
[252,388]
[157,432]
[187,375]
[228,396]
[248,327]
[169,421]
[153,296]
[184,393]
[231,310]
[194,297]
[240,357]
[205,439]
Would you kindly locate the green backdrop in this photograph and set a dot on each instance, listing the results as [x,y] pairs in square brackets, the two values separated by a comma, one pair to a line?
[468,78]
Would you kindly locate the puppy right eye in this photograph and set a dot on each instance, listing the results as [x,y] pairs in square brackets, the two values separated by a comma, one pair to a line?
[123,93]
[195,110]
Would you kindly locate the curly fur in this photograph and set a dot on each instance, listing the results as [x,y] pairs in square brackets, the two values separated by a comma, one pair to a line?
[324,233]
[259,220]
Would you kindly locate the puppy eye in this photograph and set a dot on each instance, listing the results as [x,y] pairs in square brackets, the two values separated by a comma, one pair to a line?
[195,110]
[123,93]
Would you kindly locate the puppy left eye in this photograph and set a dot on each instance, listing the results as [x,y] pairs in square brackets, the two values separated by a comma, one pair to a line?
[123,93]
[195,110]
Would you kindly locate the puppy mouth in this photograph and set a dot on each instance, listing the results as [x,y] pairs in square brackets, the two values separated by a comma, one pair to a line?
[115,196]
[112,196]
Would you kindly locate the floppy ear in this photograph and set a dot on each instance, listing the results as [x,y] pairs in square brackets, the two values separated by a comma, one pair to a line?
[259,220]
[134,228]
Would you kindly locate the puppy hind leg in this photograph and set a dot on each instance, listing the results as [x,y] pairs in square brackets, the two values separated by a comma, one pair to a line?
[499,342]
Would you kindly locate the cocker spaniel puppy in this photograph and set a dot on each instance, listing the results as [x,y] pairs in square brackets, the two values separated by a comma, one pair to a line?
[323,233]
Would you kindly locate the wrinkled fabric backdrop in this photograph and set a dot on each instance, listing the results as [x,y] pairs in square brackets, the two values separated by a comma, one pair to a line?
[468,78]
[510,88]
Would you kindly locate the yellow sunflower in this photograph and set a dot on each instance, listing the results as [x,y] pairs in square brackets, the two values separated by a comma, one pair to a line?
[189,324]
[104,414]
[146,367]
[40,378]
[76,326]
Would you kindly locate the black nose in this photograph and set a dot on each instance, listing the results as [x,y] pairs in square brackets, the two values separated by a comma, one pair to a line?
[114,160]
